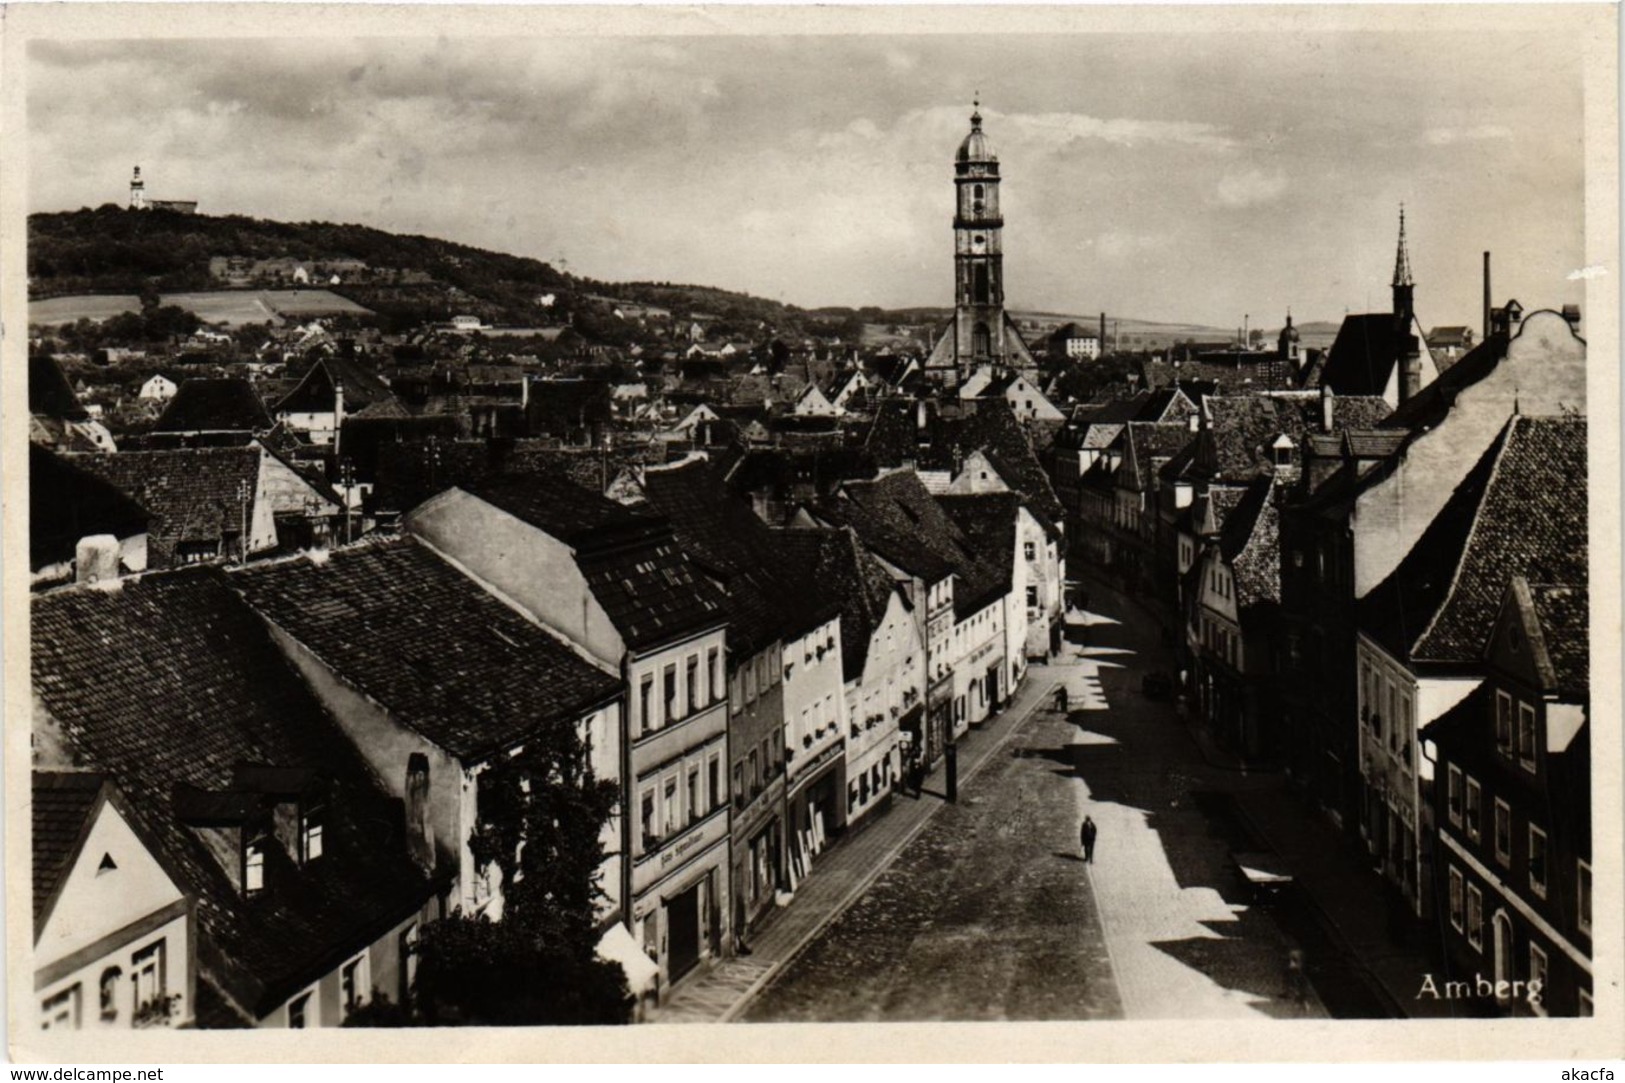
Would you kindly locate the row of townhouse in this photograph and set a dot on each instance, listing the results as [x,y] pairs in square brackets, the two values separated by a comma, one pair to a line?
[1338,562]
[752,690]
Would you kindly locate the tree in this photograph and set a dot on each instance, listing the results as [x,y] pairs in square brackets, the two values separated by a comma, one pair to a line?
[541,815]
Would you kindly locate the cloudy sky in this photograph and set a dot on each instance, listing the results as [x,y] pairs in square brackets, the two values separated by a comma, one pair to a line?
[1194,176]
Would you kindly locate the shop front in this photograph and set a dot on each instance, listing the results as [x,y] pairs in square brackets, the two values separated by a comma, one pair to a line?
[679,907]
[815,812]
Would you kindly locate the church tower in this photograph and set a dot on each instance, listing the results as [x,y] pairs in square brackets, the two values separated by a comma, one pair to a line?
[138,191]
[978,253]
[1404,285]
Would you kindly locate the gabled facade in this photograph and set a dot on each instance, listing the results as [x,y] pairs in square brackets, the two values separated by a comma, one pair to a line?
[1511,801]
[113,929]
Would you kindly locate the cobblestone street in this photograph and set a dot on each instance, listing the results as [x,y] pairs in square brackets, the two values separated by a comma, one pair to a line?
[990,913]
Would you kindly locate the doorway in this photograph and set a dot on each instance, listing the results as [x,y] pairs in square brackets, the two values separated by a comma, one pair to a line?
[683,924]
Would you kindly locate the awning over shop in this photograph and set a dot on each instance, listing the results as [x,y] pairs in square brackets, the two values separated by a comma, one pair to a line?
[617,946]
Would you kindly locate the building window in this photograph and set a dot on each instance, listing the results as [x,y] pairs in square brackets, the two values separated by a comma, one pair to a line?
[740,796]
[1453,795]
[107,989]
[254,867]
[755,773]
[669,678]
[673,812]
[1537,973]
[1537,861]
[1503,833]
[1475,917]
[311,835]
[61,1012]
[736,696]
[147,976]
[647,818]
[1029,550]
[353,985]
[1475,810]
[1503,723]
[409,960]
[646,688]
[1526,735]
[1457,899]
[1587,1009]
[693,793]
[692,673]
[1582,891]
[299,1014]
[713,780]
[713,675]
[1032,597]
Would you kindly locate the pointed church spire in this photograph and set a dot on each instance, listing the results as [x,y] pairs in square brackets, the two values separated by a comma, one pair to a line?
[1402,260]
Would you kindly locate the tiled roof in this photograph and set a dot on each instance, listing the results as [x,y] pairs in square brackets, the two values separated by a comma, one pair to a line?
[410,471]
[62,803]
[768,595]
[988,523]
[191,494]
[1563,611]
[1429,406]
[632,561]
[67,503]
[1521,511]
[314,392]
[845,571]
[169,682]
[1243,428]
[1250,542]
[227,404]
[1148,445]
[440,653]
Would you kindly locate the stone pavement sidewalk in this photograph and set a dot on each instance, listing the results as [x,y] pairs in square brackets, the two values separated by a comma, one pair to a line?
[847,869]
[1349,899]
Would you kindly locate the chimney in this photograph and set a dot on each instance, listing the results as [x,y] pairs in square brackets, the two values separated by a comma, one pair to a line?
[1488,330]
[96,559]
[338,413]
[1194,423]
[1102,332]
[1571,313]
[419,825]
[1328,408]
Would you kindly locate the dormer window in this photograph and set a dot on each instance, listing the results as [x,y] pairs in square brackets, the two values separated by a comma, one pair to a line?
[254,867]
[311,833]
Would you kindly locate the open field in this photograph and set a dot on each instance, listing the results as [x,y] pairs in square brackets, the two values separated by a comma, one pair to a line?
[234,307]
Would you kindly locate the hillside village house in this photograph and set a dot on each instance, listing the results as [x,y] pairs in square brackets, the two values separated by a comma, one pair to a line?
[113,929]
[257,807]
[615,583]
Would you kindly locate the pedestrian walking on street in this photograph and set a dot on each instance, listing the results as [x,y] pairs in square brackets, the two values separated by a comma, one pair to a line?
[1086,835]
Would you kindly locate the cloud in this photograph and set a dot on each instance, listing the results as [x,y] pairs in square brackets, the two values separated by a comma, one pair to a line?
[1596,270]
[1060,129]
[1480,133]
[1249,188]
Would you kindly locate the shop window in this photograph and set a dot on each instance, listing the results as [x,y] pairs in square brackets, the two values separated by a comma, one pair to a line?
[1503,833]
